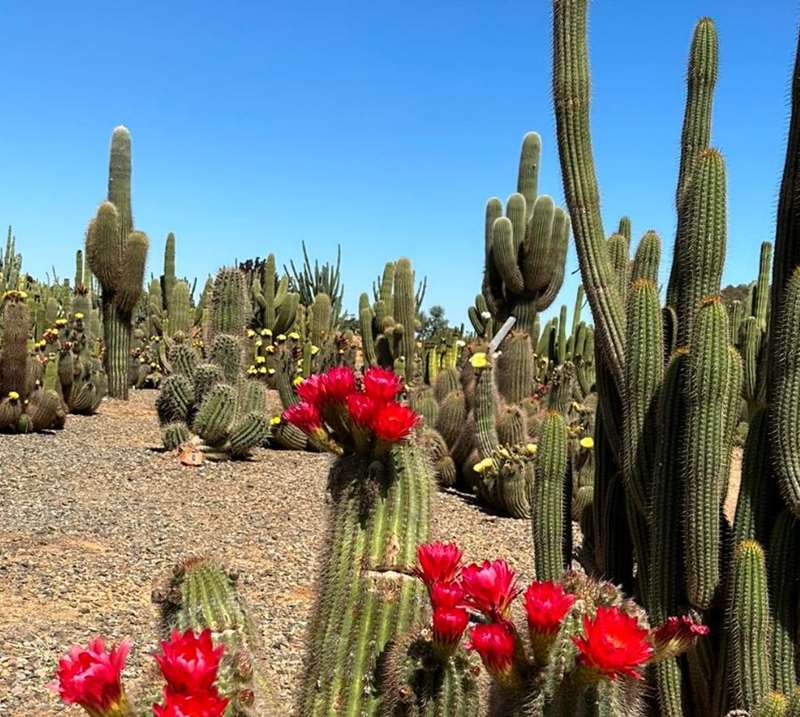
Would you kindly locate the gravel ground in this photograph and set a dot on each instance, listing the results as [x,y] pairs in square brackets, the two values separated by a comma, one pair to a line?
[93,517]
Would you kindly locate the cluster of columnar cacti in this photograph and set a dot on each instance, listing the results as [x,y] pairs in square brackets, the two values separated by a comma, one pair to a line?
[29,398]
[325,279]
[116,254]
[275,307]
[525,251]
[211,402]
[10,264]
[388,327]
[669,398]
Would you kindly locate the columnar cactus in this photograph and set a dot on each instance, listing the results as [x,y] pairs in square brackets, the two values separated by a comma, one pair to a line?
[117,254]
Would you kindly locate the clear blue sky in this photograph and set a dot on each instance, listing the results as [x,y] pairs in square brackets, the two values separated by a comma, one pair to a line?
[381,127]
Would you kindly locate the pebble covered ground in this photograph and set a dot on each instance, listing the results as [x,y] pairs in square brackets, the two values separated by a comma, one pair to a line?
[92,518]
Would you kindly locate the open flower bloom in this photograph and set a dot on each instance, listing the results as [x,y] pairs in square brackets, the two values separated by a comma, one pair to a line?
[339,383]
[305,416]
[490,587]
[393,423]
[382,384]
[496,645]
[311,390]
[613,644]
[677,635]
[91,677]
[546,605]
[361,408]
[449,624]
[446,595]
[189,662]
[438,563]
[201,704]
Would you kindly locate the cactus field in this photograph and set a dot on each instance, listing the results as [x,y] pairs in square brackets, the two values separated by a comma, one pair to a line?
[270,490]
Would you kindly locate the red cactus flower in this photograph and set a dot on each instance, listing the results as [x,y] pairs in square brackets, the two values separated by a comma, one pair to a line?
[449,624]
[362,408]
[495,643]
[305,416]
[200,704]
[393,422]
[438,562]
[91,676]
[677,635]
[382,384]
[546,604]
[312,390]
[446,595]
[189,662]
[339,383]
[490,587]
[613,644]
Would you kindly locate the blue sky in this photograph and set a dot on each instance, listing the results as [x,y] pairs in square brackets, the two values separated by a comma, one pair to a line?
[381,127]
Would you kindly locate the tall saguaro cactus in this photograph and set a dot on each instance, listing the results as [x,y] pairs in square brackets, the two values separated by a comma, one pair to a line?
[117,254]
[525,246]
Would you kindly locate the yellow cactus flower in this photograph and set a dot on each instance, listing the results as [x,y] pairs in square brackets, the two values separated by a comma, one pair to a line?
[484,465]
[504,452]
[294,335]
[275,420]
[251,333]
[270,349]
[314,350]
[266,332]
[263,369]
[259,342]
[261,359]
[298,380]
[152,365]
[281,337]
[78,315]
[270,371]
[61,322]
[13,395]
[531,448]
[479,360]
[587,442]
[251,370]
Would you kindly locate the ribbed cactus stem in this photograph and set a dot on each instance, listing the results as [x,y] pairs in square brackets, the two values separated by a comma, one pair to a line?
[405,313]
[700,248]
[784,406]
[168,277]
[706,451]
[748,626]
[782,569]
[547,498]
[761,295]
[380,513]
[571,92]
[644,370]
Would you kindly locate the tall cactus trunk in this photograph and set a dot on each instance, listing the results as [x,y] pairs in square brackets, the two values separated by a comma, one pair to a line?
[366,597]
[117,334]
